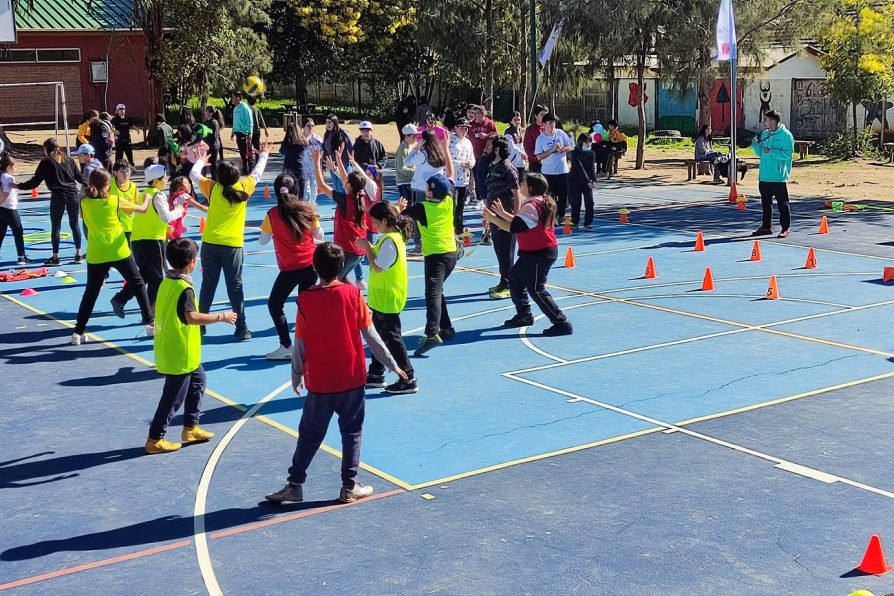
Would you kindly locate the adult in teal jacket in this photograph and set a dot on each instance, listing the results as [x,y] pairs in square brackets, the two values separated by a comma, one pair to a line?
[774,146]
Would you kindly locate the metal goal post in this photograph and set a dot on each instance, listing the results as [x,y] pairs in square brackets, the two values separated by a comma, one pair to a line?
[60,107]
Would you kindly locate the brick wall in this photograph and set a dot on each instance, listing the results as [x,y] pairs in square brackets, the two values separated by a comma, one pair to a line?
[30,104]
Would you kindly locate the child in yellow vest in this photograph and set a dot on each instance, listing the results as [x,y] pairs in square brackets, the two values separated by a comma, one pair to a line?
[387,293]
[150,230]
[178,349]
[124,188]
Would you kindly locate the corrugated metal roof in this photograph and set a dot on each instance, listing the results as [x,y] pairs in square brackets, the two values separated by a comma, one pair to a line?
[74,15]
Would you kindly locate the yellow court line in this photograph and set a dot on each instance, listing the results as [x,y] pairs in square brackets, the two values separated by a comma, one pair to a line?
[225,400]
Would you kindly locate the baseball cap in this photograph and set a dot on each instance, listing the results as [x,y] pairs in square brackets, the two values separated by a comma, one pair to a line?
[120,106]
[154,172]
[409,129]
[439,186]
[462,122]
[365,125]
[85,149]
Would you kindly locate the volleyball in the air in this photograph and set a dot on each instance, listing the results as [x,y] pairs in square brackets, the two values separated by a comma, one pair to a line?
[253,85]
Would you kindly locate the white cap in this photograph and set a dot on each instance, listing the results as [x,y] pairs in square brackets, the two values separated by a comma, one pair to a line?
[365,125]
[409,129]
[120,106]
[154,172]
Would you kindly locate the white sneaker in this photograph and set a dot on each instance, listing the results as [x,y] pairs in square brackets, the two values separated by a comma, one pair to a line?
[280,353]
[360,491]
[78,339]
[150,330]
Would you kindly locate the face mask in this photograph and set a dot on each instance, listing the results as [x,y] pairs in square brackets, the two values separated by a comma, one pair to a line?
[587,147]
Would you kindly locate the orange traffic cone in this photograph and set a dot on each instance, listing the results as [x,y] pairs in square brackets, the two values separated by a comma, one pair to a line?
[650,269]
[773,290]
[623,215]
[887,274]
[811,260]
[733,193]
[201,225]
[874,562]
[566,225]
[569,259]
[756,252]
[699,242]
[267,192]
[824,225]
[467,238]
[33,193]
[740,202]
[708,283]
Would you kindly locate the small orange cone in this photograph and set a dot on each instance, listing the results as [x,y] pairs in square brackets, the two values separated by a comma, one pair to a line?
[569,259]
[267,192]
[33,193]
[824,225]
[756,252]
[811,260]
[699,242]
[624,213]
[650,269]
[708,283]
[27,292]
[740,202]
[467,238]
[201,225]
[773,290]
[874,562]
[733,193]
[566,225]
[887,274]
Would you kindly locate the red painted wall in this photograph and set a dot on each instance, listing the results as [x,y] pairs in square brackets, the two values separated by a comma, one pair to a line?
[720,110]
[128,83]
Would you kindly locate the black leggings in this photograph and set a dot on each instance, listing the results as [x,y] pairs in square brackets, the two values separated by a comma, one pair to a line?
[504,248]
[578,192]
[458,205]
[149,255]
[558,188]
[9,218]
[388,327]
[283,286]
[528,278]
[96,275]
[58,206]
[437,269]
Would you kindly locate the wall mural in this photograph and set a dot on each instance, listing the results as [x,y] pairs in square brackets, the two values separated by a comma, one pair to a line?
[720,107]
[766,96]
[815,115]
[633,94]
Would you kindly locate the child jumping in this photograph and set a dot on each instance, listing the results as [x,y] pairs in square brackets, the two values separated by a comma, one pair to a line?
[537,252]
[9,207]
[293,225]
[328,357]
[387,293]
[178,349]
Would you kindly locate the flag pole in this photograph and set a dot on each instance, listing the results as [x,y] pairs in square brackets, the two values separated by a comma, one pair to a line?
[735,99]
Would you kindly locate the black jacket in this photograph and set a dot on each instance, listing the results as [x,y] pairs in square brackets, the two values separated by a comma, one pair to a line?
[583,167]
[61,178]
[369,153]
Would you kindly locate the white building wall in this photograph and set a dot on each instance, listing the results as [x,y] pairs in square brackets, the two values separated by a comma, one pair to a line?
[627,114]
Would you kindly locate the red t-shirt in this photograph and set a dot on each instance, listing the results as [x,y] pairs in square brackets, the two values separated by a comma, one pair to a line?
[291,254]
[479,133]
[531,133]
[346,230]
[329,322]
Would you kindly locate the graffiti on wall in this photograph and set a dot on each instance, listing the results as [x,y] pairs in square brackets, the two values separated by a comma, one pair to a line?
[815,115]
[766,96]
[633,94]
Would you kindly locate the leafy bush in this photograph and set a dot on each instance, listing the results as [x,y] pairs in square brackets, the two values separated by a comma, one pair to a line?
[841,146]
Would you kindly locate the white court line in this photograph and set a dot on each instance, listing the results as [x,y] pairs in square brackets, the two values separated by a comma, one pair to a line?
[778,462]
[198,513]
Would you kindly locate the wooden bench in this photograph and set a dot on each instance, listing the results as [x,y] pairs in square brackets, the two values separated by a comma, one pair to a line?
[696,167]
[803,148]
[890,148]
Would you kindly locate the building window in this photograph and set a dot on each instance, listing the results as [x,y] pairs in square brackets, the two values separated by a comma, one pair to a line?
[59,55]
[99,72]
[41,55]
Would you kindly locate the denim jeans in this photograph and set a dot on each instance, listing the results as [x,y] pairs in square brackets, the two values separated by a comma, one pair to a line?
[189,388]
[315,416]
[528,276]
[217,258]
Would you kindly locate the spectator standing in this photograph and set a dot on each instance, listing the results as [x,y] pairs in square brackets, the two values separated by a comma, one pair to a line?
[243,130]
[122,125]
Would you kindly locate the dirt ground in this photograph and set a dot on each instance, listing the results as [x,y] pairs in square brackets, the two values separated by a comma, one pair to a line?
[813,177]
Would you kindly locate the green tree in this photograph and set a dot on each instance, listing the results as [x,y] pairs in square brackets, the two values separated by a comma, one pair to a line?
[858,38]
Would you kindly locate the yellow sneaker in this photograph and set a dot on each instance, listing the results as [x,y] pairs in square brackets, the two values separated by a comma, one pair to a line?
[154,446]
[195,433]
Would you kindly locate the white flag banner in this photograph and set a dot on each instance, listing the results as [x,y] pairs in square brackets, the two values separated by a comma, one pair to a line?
[551,42]
[726,31]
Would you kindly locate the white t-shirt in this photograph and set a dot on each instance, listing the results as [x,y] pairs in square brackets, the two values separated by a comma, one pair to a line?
[6,182]
[515,152]
[462,152]
[555,163]
[387,254]
[423,170]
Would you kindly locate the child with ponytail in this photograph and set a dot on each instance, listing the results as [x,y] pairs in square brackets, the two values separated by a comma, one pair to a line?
[387,293]
[293,225]
[537,252]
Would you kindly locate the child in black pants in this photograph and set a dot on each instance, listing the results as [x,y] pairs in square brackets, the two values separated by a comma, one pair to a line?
[582,180]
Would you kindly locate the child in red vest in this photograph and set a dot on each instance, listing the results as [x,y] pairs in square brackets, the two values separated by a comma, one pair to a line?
[293,225]
[328,358]
[537,252]
[181,194]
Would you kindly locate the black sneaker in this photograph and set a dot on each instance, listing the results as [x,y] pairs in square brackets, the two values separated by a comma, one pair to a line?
[375,382]
[77,261]
[558,329]
[485,240]
[427,343]
[242,333]
[23,260]
[447,333]
[52,262]
[402,387]
[519,321]
[117,307]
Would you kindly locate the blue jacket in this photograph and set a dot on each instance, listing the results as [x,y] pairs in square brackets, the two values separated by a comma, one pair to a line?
[776,166]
